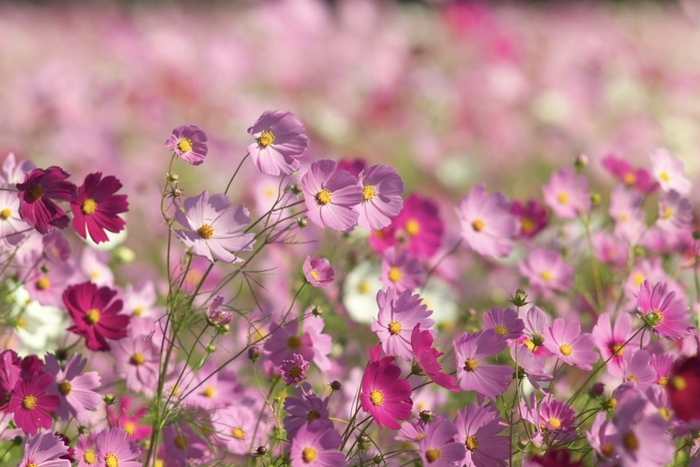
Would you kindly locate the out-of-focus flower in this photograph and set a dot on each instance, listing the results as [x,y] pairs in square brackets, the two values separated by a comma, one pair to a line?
[640,179]
[683,388]
[547,271]
[44,450]
[567,194]
[478,428]
[401,270]
[675,212]
[533,217]
[438,447]
[189,143]
[294,370]
[116,448]
[316,445]
[669,172]
[279,142]
[486,223]
[426,357]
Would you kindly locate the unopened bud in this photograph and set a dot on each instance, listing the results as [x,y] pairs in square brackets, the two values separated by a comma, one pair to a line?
[295,189]
[173,177]
[317,311]
[261,450]
[336,385]
[597,389]
[595,199]
[108,398]
[378,459]
[210,348]
[519,299]
[426,415]
[363,442]
[581,162]
[254,353]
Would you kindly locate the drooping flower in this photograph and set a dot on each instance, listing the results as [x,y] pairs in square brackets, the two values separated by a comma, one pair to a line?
[384,394]
[399,313]
[44,450]
[189,143]
[116,449]
[75,390]
[471,351]
[331,196]
[438,447]
[96,316]
[566,341]
[41,187]
[381,196]
[547,271]
[212,227]
[294,370]
[478,428]
[318,271]
[31,404]
[96,207]
[669,172]
[315,445]
[666,315]
[567,194]
[533,337]
[401,270]
[532,215]
[486,223]
[279,142]
[426,358]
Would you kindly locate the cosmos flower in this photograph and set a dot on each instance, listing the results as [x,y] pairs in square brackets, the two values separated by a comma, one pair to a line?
[609,339]
[41,187]
[74,388]
[675,212]
[235,427]
[31,404]
[303,408]
[666,315]
[641,439]
[96,208]
[532,215]
[115,448]
[505,322]
[567,194]
[547,271]
[318,271]
[384,394]
[566,342]
[640,179]
[426,358]
[381,196]
[669,172]
[438,447]
[294,370]
[44,450]
[683,387]
[315,445]
[478,426]
[279,142]
[189,143]
[473,374]
[401,270]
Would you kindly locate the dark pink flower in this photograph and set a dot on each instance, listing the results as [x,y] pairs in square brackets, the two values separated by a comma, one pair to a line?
[384,394]
[426,358]
[381,196]
[609,340]
[279,142]
[32,405]
[294,370]
[37,194]
[533,217]
[640,179]
[97,208]
[189,143]
[666,315]
[318,271]
[95,315]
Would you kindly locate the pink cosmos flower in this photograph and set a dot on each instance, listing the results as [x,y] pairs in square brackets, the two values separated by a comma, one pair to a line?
[214,389]
[12,173]
[609,340]
[75,390]
[384,394]
[294,370]
[97,208]
[505,322]
[279,142]
[216,315]
[12,227]
[552,416]
[533,337]
[640,179]
[237,428]
[641,439]
[304,408]
[316,445]
[412,431]
[331,196]
[312,344]
[183,446]
[669,172]
[318,271]
[675,212]
[189,143]
[212,226]
[37,194]
[426,358]
[115,448]
[486,223]
[569,345]
[31,404]
[418,228]
[662,365]
[667,316]
[471,350]
[401,270]
[85,451]
[381,196]
[547,271]
[610,250]
[567,194]
[137,363]
[44,450]
[626,209]
[637,370]
[600,436]
[478,426]
[131,421]
[399,313]
[9,375]
[533,217]
[438,447]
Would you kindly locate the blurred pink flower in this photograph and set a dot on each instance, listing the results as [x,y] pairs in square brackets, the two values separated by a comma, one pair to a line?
[567,194]
[486,223]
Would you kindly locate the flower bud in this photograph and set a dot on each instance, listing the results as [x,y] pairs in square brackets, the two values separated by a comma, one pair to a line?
[254,353]
[109,399]
[336,385]
[426,415]
[519,299]
[217,316]
[210,348]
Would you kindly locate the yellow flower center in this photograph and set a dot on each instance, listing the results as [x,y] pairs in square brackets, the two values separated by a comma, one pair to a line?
[376,397]
[29,402]
[420,436]
[546,276]
[530,345]
[664,176]
[678,383]
[412,227]
[130,428]
[395,274]
[563,197]
[35,192]
[5,214]
[363,288]
[238,433]
[611,403]
[184,145]
[638,279]
[630,441]
[312,415]
[368,192]
[478,225]
[138,359]
[470,364]
[668,212]
[314,274]
[266,139]
[32,464]
[323,197]
[89,456]
[294,342]
[555,422]
[21,323]
[632,378]
[92,316]
[138,311]
[65,387]
[527,225]
[42,283]
[658,316]
[431,455]
[565,350]
[295,371]
[89,207]
[206,231]
[629,178]
[111,461]
[394,328]
[180,442]
[309,454]
[501,330]
[617,349]
[208,392]
[665,413]
[663,381]
[471,443]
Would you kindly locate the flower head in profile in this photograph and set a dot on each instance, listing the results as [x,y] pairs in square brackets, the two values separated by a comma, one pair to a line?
[567,194]
[189,143]
[316,445]
[31,404]
[44,450]
[381,196]
[331,196]
[384,394]
[426,358]
[279,142]
[666,315]
[318,271]
[96,209]
[486,223]
[212,227]
[37,196]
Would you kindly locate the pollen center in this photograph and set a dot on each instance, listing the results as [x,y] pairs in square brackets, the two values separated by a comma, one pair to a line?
[668,212]
[323,197]
[394,328]
[470,364]
[184,145]
[206,231]
[630,441]
[208,392]
[180,442]
[65,387]
[111,460]
[632,378]
[432,455]
[137,359]
[89,207]
[309,454]
[663,381]
[314,274]
[555,422]
[678,383]
[35,192]
[368,192]
[29,402]
[130,428]
[294,342]
[664,176]
[395,274]
[92,316]
[312,415]
[5,214]
[617,349]
[563,197]
[377,397]
[42,283]
[412,227]
[629,178]
[238,433]
[478,225]
[546,276]
[266,139]
[89,456]
[501,330]
[471,443]
[565,350]
[295,372]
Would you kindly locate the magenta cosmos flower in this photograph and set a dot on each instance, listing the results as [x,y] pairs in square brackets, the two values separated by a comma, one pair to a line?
[115,448]
[279,142]
[639,179]
[331,196]
[315,445]
[426,357]
[294,370]
[662,312]
[212,227]
[567,194]
[304,409]
[438,447]
[96,208]
[486,223]
[399,313]
[37,194]
[384,394]
[318,271]
[189,143]
[95,315]
[44,450]
[569,345]
[533,217]
[479,427]
[76,390]
[31,404]
[381,196]
[610,340]
[472,373]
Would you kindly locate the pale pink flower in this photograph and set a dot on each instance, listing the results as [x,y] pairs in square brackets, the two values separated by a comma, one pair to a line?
[669,172]
[279,142]
[567,194]
[381,196]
